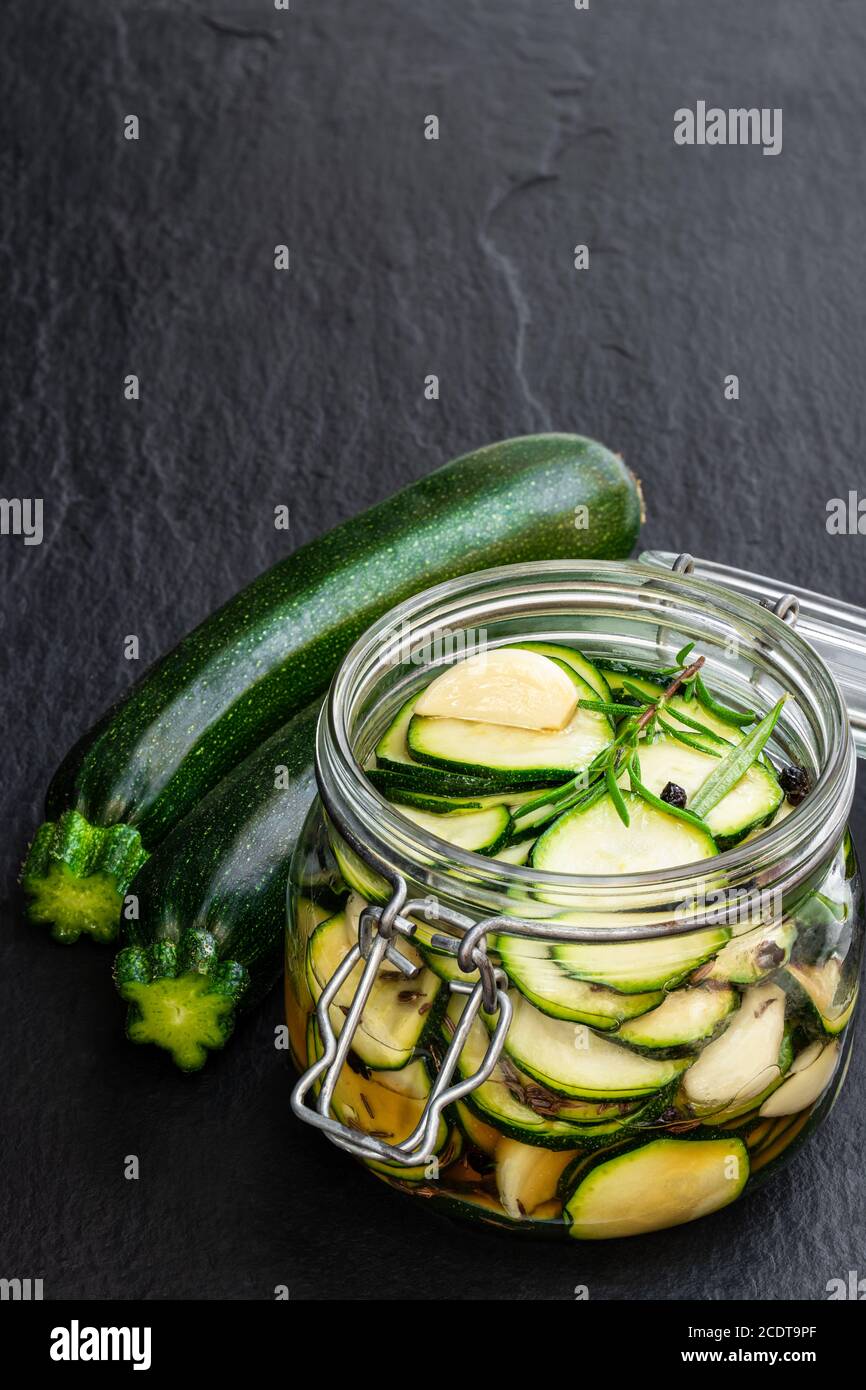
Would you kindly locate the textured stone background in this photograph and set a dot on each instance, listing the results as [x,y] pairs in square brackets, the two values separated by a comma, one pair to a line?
[408,257]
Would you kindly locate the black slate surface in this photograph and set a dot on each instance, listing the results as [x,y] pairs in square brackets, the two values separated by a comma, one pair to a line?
[408,257]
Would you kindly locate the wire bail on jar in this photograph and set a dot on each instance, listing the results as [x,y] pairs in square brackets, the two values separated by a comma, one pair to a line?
[377,929]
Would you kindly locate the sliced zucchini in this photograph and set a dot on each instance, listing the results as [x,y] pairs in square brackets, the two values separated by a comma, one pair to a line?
[753,801]
[744,1061]
[474,1204]
[357,874]
[437,805]
[532,968]
[784,1141]
[570,1060]
[594,840]
[515,854]
[748,959]
[652,1186]
[616,674]
[395,1014]
[785,809]
[483,832]
[397,767]
[512,756]
[827,994]
[442,963]
[507,1098]
[810,1075]
[526,1176]
[370,1104]
[634,967]
[449,1153]
[476,1131]
[585,668]
[688,1018]
[441,805]
[512,686]
[653,688]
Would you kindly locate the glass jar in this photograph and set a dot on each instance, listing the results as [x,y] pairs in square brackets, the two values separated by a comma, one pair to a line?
[460,958]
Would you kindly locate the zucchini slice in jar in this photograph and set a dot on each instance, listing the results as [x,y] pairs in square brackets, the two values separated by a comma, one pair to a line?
[395,765]
[442,963]
[744,1061]
[533,970]
[810,1075]
[512,757]
[507,1099]
[515,854]
[474,1204]
[476,1131]
[395,1014]
[752,802]
[829,997]
[355,872]
[442,804]
[570,1060]
[527,1177]
[652,686]
[752,957]
[652,1186]
[421,1172]
[594,840]
[617,674]
[379,1105]
[688,1019]
[634,967]
[483,831]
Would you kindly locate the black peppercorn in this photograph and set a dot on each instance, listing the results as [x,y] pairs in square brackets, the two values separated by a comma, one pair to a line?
[795,783]
[674,795]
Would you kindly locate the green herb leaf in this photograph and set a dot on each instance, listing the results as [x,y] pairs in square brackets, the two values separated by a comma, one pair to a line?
[607,707]
[683,653]
[730,716]
[695,724]
[636,693]
[656,801]
[688,739]
[727,773]
[616,795]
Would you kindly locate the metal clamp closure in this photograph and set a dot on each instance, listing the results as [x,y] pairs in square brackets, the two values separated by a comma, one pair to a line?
[377,929]
[786,607]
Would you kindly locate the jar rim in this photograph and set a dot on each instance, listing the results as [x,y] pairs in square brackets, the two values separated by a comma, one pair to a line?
[794,845]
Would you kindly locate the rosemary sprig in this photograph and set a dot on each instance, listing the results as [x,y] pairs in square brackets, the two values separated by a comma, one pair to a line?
[727,773]
[730,716]
[695,724]
[644,719]
[688,816]
[615,794]
[607,707]
[688,739]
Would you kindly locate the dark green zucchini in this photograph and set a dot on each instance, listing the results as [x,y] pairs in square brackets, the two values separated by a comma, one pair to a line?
[234,680]
[211,903]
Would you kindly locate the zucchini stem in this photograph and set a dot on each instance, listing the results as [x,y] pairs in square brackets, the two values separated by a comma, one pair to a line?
[181,997]
[76,874]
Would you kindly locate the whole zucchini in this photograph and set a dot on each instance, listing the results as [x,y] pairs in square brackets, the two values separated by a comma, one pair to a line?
[207,704]
[211,902]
